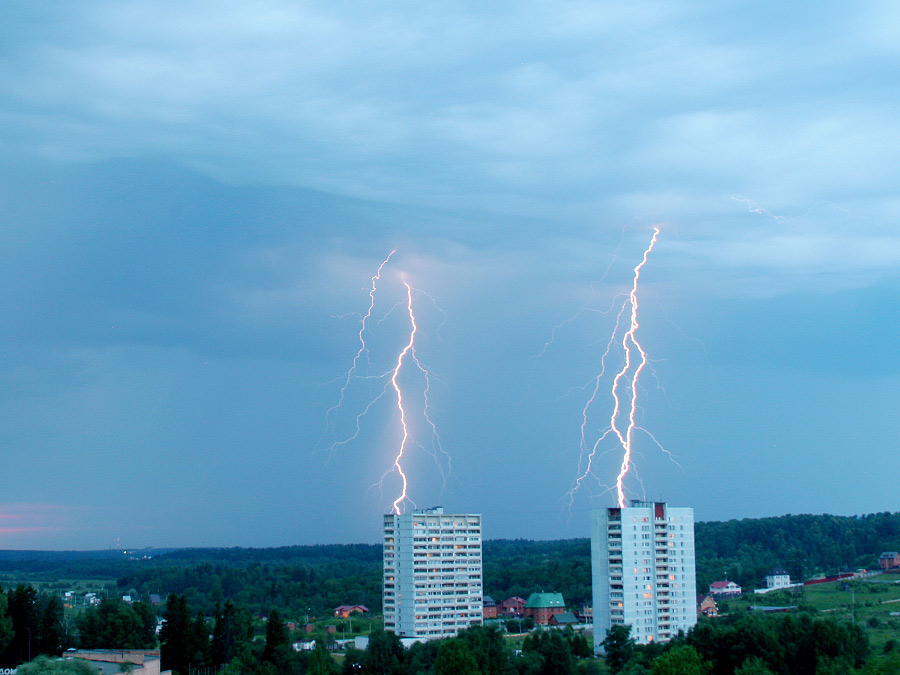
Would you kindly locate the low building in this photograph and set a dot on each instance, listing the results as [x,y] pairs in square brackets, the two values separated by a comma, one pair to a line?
[541,606]
[490,607]
[778,578]
[143,661]
[586,613]
[563,619]
[706,605]
[344,611]
[512,607]
[724,589]
[889,560]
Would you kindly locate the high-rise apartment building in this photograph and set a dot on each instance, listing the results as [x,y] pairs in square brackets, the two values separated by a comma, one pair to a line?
[432,573]
[643,574]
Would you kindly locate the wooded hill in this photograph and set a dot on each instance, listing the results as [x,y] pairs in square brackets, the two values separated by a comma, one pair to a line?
[298,579]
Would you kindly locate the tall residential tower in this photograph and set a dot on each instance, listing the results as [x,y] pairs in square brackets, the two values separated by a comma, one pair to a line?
[432,573]
[642,562]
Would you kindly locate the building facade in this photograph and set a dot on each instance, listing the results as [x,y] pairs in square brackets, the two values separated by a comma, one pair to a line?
[432,573]
[542,606]
[643,571]
[512,607]
[725,589]
[778,578]
[889,560]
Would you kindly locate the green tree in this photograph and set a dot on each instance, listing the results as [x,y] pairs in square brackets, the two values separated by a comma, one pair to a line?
[683,660]
[580,646]
[419,658]
[753,666]
[618,646]
[555,651]
[557,654]
[589,667]
[175,636]
[526,663]
[455,658]
[487,647]
[116,625]
[44,666]
[23,611]
[50,628]
[232,631]
[353,662]
[320,662]
[198,648]
[384,655]
[276,636]
[6,624]
[245,662]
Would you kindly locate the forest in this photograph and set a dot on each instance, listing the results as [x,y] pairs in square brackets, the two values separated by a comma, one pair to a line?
[300,580]
[746,643]
[294,583]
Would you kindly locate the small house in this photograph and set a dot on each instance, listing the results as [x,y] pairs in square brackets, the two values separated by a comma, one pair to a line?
[541,606]
[889,560]
[778,578]
[724,589]
[563,619]
[706,606]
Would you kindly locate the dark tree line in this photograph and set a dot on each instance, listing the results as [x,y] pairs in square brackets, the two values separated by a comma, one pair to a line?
[746,550]
[295,590]
[192,644]
[478,650]
[318,578]
[746,644]
[518,567]
[116,625]
[30,625]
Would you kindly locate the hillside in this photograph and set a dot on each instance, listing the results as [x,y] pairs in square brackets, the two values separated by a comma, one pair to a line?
[326,575]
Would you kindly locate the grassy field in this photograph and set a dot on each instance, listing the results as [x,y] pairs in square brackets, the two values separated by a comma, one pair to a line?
[866,602]
[60,586]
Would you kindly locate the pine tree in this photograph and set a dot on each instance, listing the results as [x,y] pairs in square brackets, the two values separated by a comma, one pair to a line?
[175,636]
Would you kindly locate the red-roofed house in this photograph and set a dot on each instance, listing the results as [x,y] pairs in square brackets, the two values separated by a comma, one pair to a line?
[514,606]
[889,560]
[707,606]
[724,589]
[346,610]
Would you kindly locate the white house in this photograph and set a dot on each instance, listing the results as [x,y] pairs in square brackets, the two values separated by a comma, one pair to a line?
[724,589]
[778,578]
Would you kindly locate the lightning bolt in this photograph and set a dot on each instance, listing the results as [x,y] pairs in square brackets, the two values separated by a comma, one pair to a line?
[627,340]
[436,443]
[410,352]
[363,349]
[635,361]
[390,379]
[408,349]
[587,305]
[753,207]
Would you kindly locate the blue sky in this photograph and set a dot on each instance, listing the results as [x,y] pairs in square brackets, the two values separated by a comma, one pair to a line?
[194,198]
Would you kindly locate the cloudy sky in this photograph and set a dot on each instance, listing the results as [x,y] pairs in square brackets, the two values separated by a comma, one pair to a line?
[194,198]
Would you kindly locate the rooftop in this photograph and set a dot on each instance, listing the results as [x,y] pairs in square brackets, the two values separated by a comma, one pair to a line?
[540,600]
